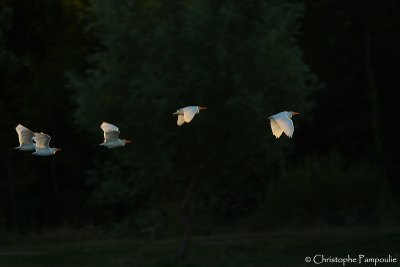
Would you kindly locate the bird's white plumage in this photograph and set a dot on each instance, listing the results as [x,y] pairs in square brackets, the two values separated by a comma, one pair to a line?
[108,127]
[111,136]
[282,122]
[43,145]
[42,141]
[187,114]
[21,129]
[181,120]
[276,129]
[25,138]
[111,132]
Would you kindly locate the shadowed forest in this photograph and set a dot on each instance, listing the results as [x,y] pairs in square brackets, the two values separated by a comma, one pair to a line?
[66,66]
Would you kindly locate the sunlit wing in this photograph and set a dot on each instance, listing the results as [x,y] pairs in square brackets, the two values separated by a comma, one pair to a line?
[25,138]
[24,134]
[181,120]
[188,113]
[20,128]
[286,124]
[42,141]
[276,129]
[108,127]
[111,136]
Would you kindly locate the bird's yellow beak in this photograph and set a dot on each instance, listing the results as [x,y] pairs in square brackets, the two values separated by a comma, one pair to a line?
[296,113]
[201,108]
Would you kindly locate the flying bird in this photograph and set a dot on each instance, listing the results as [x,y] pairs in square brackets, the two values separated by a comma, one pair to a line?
[42,145]
[25,137]
[282,122]
[111,134]
[186,114]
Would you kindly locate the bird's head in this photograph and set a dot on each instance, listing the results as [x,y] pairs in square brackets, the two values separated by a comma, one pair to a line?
[291,113]
[126,141]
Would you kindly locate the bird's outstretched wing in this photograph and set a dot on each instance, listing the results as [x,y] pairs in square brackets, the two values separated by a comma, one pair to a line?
[181,120]
[188,113]
[286,124]
[111,136]
[109,128]
[276,129]
[24,134]
[42,141]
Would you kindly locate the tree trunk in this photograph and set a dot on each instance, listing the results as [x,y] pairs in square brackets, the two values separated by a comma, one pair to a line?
[56,191]
[185,211]
[373,96]
[12,198]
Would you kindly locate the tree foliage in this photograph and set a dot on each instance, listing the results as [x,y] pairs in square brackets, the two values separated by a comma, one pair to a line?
[39,42]
[66,66]
[239,59]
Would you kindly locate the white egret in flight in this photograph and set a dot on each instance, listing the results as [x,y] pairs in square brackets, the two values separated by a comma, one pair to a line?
[25,137]
[186,114]
[111,134]
[282,122]
[42,145]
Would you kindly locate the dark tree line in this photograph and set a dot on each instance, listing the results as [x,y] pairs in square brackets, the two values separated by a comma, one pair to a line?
[66,66]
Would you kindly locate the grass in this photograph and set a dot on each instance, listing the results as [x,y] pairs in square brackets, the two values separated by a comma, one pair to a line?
[279,248]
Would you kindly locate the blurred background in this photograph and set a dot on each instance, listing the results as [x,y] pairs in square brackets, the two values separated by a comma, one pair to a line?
[68,65]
